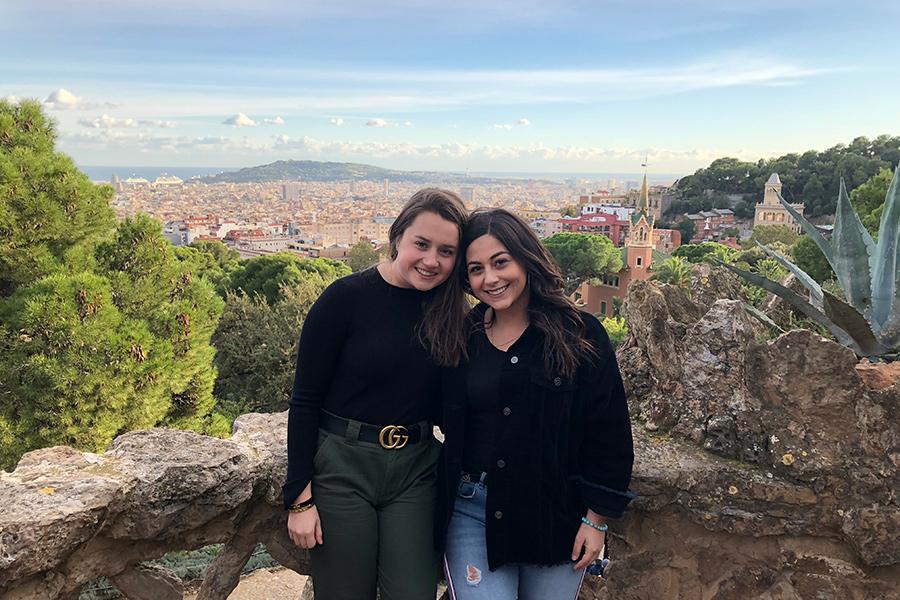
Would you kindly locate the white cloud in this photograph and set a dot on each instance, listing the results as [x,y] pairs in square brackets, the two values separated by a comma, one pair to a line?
[107,122]
[239,120]
[377,123]
[336,121]
[447,155]
[62,99]
[12,99]
[508,126]
[275,121]
[157,123]
[407,123]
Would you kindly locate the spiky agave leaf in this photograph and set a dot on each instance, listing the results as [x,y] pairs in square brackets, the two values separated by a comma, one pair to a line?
[810,230]
[848,318]
[853,251]
[810,311]
[815,290]
[762,317]
[886,266]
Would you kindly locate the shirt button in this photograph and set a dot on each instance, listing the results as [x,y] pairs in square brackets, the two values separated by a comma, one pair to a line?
[557,382]
[498,514]
[514,359]
[501,463]
[506,411]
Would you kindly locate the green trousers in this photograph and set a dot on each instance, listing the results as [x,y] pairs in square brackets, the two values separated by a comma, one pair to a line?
[377,509]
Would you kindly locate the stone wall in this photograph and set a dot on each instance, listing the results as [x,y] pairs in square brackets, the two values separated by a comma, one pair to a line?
[766,470]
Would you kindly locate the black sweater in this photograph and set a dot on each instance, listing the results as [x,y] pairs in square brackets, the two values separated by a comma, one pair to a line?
[358,358]
[559,446]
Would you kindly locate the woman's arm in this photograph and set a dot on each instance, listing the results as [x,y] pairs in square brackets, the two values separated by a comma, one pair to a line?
[606,452]
[321,341]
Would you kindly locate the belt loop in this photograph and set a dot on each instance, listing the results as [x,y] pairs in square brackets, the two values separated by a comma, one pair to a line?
[352,433]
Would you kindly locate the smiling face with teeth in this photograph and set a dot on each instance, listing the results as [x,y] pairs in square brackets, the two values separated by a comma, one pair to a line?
[496,278]
[426,253]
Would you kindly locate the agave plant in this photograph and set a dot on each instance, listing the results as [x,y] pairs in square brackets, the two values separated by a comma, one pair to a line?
[867,271]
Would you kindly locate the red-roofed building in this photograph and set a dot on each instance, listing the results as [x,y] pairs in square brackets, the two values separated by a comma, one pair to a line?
[598,223]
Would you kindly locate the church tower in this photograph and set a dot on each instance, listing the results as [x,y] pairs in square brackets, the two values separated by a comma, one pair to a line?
[772,189]
[770,211]
[639,244]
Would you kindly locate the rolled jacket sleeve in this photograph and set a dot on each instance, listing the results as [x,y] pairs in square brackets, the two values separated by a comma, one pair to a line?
[606,452]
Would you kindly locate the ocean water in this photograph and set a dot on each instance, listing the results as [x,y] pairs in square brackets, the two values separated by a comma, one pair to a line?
[101,173]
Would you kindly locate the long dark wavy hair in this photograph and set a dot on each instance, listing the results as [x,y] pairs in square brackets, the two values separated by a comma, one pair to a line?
[549,310]
[441,330]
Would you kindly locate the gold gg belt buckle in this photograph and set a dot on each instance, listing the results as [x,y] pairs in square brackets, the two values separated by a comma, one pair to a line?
[393,437]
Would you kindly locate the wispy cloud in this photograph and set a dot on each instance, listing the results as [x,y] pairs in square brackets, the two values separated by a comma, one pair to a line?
[517,123]
[107,122]
[377,123]
[157,123]
[336,121]
[273,121]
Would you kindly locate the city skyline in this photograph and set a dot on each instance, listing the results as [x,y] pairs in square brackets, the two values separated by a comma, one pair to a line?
[524,86]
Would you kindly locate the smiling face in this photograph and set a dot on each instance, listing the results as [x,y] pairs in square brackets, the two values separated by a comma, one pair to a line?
[426,253]
[496,278]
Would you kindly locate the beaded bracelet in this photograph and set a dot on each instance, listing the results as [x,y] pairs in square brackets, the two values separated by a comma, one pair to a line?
[593,525]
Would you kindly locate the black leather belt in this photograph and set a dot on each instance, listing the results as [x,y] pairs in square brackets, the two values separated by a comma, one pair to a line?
[391,437]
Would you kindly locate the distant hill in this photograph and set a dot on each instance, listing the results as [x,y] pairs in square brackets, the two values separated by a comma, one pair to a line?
[811,177]
[311,170]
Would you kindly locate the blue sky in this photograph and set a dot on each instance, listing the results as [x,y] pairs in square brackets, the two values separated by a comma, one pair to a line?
[486,86]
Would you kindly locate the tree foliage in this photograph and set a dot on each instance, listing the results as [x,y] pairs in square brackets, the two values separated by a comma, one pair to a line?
[50,213]
[616,329]
[583,257]
[809,257]
[256,346]
[767,234]
[98,335]
[211,260]
[868,200]
[688,230]
[268,275]
[810,177]
[362,256]
[697,253]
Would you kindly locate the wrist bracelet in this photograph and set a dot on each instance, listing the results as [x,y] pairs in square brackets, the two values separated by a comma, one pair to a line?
[593,525]
[301,506]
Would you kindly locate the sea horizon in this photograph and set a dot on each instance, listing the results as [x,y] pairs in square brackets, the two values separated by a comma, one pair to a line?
[105,173]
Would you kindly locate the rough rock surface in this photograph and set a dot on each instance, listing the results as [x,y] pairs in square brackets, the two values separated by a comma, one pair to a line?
[779,463]
[766,470]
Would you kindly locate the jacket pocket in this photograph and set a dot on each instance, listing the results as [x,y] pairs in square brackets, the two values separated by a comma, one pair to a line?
[555,383]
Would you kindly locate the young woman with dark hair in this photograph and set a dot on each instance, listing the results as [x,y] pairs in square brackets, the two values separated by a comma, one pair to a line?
[538,449]
[360,483]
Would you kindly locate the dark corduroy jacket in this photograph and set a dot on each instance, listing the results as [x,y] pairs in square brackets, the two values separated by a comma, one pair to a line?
[561,446]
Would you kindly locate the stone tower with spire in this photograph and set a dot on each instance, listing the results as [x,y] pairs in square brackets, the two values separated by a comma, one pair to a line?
[770,211]
[639,243]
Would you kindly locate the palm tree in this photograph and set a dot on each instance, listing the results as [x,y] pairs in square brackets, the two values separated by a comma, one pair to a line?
[674,270]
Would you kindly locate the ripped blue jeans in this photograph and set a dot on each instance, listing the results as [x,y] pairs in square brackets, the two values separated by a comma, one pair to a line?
[466,564]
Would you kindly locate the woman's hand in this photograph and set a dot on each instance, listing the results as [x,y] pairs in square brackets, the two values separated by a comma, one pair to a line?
[304,528]
[588,542]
